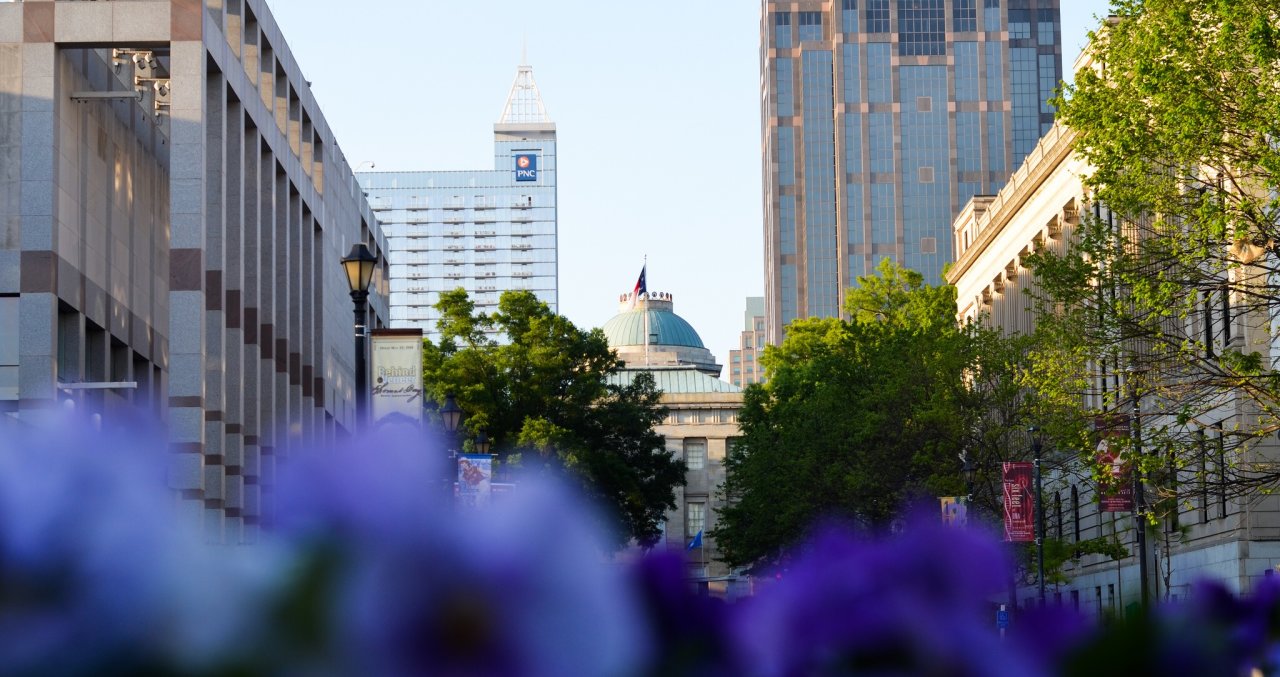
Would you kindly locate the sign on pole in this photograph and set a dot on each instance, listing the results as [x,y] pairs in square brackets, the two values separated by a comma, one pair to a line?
[396,375]
[1019,504]
[475,479]
[1115,492]
[955,511]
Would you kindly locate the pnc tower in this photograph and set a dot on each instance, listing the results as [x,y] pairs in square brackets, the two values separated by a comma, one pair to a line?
[487,230]
[880,119]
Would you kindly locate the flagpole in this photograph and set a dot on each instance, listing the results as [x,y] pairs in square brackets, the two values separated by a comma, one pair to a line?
[646,313]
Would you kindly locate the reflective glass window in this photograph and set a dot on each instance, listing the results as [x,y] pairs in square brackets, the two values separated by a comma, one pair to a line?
[922,27]
[877,16]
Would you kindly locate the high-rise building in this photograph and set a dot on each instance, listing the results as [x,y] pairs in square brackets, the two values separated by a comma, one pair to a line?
[176,249]
[487,231]
[744,363]
[881,118]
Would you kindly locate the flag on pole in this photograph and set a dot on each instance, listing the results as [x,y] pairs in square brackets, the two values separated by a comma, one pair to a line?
[696,542]
[640,288]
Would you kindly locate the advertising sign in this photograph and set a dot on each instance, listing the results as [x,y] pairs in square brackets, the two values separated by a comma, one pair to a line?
[1116,493]
[955,511]
[395,374]
[526,167]
[1019,503]
[475,479]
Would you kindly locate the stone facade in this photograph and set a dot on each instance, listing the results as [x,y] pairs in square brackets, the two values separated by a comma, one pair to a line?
[176,208]
[1234,540]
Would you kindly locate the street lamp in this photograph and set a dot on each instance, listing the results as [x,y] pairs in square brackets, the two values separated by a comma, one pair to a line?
[359,265]
[1036,445]
[451,413]
[969,473]
[481,443]
[1139,490]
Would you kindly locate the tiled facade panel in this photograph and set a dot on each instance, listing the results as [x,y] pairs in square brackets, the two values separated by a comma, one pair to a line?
[880,120]
[194,251]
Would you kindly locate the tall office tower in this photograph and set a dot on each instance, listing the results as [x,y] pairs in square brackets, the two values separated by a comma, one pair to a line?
[881,118]
[744,363]
[486,231]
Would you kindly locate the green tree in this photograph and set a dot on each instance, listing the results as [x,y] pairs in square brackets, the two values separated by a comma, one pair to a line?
[544,397]
[861,418]
[1170,285]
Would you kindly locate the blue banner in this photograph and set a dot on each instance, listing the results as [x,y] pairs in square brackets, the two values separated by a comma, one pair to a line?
[526,167]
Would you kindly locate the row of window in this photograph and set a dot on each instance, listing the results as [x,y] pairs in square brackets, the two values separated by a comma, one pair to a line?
[921,23]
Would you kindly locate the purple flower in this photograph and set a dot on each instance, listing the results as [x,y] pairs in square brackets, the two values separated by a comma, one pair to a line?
[912,604]
[412,584]
[93,556]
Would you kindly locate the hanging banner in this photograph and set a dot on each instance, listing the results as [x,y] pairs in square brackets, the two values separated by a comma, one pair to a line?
[395,375]
[1019,503]
[1115,494]
[475,479]
[955,511]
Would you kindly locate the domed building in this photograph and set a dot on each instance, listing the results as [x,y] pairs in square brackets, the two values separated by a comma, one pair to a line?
[700,425]
[646,332]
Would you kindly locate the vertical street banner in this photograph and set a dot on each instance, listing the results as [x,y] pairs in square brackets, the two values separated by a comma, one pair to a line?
[1115,490]
[395,374]
[1019,503]
[475,479]
[955,511]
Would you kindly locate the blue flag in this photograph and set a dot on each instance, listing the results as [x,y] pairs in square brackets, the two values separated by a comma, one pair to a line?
[696,542]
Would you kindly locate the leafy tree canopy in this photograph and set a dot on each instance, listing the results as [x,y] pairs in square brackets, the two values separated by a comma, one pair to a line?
[543,396]
[1168,288]
[860,418]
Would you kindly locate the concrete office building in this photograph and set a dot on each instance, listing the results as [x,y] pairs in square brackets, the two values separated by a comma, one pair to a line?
[1235,540]
[744,363]
[174,208]
[880,119]
[701,421]
[486,231]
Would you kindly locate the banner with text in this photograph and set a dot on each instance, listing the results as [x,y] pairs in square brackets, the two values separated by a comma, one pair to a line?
[1115,490]
[396,377]
[1019,503]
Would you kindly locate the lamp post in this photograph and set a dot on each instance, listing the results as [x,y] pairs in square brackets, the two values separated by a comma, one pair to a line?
[359,265]
[451,416]
[481,443]
[1036,446]
[969,473]
[1139,490]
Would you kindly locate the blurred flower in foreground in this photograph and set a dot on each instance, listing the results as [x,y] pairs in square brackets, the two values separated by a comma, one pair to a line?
[416,585]
[97,570]
[913,604]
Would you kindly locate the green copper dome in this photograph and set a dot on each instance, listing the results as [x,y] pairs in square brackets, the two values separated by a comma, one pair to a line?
[667,328]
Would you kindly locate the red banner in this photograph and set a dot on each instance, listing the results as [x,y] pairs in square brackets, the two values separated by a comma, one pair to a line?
[1019,503]
[1116,493]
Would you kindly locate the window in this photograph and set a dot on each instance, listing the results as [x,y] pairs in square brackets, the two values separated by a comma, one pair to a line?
[964,14]
[991,15]
[1172,470]
[695,518]
[8,347]
[921,27]
[784,85]
[1220,449]
[877,16]
[695,454]
[810,26]
[1057,515]
[782,30]
[1204,476]
[1075,512]
[849,15]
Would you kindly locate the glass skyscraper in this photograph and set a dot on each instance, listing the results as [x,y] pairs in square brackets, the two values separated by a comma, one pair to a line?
[881,118]
[486,231]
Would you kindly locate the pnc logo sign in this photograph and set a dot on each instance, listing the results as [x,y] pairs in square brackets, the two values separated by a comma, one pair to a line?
[526,167]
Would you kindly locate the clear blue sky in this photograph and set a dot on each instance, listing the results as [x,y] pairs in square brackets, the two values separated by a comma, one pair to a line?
[657,106]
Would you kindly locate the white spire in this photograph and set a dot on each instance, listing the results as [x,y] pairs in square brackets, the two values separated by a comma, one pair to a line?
[524,103]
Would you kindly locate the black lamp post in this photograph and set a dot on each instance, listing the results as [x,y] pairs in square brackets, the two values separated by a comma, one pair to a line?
[451,416]
[1139,490]
[359,265]
[1036,446]
[481,443]
[969,473]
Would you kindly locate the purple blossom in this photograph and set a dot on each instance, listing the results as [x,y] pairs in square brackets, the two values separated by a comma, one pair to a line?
[912,604]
